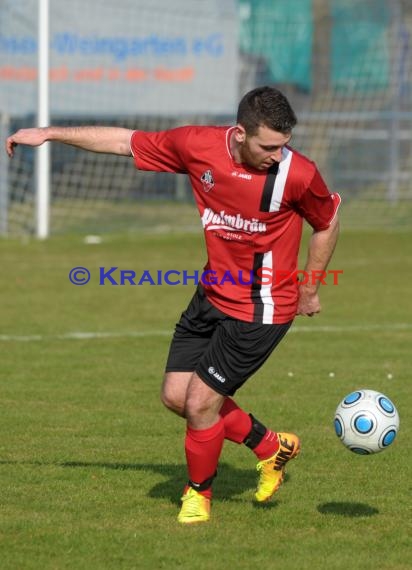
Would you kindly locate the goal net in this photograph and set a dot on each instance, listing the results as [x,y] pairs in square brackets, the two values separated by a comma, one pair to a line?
[345,66]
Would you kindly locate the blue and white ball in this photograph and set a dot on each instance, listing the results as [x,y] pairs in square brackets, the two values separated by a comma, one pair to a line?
[366,422]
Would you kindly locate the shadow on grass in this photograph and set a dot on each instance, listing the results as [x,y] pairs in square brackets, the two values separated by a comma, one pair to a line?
[347,509]
[230,483]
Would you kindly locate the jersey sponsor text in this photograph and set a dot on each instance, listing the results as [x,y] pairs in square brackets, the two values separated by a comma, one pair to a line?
[211,221]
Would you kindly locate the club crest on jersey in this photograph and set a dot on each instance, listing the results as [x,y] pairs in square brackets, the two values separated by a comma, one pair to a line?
[207,180]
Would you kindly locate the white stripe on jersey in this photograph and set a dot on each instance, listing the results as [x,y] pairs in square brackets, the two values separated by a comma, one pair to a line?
[266,292]
[280,180]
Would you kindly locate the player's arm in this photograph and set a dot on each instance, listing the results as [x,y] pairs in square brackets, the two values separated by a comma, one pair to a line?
[321,246]
[111,140]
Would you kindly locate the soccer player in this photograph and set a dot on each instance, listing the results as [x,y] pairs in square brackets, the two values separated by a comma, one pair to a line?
[253,191]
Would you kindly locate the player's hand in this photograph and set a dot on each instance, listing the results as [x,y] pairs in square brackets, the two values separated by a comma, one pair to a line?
[308,302]
[31,137]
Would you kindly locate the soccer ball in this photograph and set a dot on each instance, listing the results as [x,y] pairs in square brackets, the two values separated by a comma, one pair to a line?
[366,422]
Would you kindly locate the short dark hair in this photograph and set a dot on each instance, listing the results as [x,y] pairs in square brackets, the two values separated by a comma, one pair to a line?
[266,106]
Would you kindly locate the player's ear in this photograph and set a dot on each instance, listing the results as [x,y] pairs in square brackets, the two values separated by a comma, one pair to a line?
[240,134]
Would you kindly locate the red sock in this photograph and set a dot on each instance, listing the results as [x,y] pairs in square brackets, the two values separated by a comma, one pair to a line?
[203,448]
[268,446]
[237,422]
[238,425]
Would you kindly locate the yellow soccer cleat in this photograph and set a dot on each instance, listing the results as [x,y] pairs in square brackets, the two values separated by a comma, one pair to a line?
[272,470]
[195,507]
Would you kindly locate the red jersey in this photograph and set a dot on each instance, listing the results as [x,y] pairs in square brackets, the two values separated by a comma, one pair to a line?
[252,219]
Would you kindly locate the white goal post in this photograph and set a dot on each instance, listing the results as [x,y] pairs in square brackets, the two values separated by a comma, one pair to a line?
[43,120]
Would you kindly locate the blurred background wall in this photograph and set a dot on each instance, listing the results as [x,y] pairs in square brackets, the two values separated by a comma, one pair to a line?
[346,66]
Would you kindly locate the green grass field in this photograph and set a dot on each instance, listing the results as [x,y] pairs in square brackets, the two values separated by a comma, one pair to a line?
[92,466]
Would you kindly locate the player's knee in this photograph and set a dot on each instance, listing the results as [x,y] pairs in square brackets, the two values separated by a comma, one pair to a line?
[174,391]
[196,409]
[167,399]
[171,400]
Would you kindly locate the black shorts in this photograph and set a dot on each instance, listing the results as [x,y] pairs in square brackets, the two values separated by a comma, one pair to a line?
[222,350]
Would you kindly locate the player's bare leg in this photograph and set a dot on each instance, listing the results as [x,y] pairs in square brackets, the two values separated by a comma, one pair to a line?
[174,391]
[202,404]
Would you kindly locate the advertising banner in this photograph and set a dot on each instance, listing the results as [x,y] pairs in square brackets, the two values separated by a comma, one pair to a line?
[122,58]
